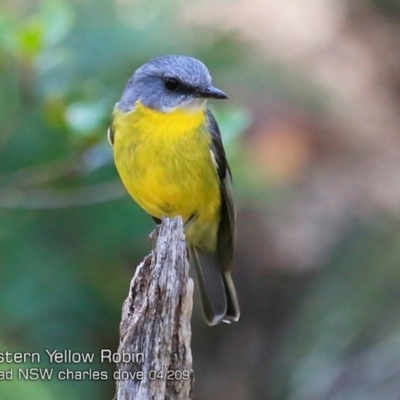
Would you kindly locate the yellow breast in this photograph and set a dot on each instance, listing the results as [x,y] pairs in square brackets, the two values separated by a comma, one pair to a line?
[165,163]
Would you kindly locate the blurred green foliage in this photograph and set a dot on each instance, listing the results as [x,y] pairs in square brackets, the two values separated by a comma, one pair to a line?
[69,236]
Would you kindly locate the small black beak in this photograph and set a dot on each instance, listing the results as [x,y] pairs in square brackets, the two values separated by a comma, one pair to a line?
[212,92]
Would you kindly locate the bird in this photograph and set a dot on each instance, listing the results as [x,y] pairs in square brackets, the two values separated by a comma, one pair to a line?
[169,154]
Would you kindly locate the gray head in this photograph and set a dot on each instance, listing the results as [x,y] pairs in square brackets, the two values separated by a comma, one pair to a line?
[170,82]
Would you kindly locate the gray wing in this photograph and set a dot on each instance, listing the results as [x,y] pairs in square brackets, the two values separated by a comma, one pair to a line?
[217,290]
[226,228]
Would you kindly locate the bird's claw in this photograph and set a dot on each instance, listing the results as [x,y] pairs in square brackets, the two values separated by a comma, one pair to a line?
[154,236]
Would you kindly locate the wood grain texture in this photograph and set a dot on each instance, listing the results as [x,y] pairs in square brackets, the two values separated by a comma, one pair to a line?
[155,325]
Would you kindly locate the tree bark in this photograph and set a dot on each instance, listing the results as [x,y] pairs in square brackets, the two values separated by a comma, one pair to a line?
[155,327]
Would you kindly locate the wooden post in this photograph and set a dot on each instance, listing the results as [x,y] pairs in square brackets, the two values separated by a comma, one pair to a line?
[155,327]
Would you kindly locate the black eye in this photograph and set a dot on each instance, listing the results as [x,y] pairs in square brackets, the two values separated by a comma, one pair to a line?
[171,83]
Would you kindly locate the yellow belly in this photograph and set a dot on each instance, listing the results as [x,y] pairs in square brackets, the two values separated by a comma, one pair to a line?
[165,164]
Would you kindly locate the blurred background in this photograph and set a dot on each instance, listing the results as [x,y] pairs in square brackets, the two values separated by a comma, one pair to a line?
[312,132]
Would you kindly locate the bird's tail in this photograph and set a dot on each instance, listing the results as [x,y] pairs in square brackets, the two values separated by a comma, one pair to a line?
[217,290]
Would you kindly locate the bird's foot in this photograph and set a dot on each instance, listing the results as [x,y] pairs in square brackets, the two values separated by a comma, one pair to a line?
[190,221]
[153,237]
